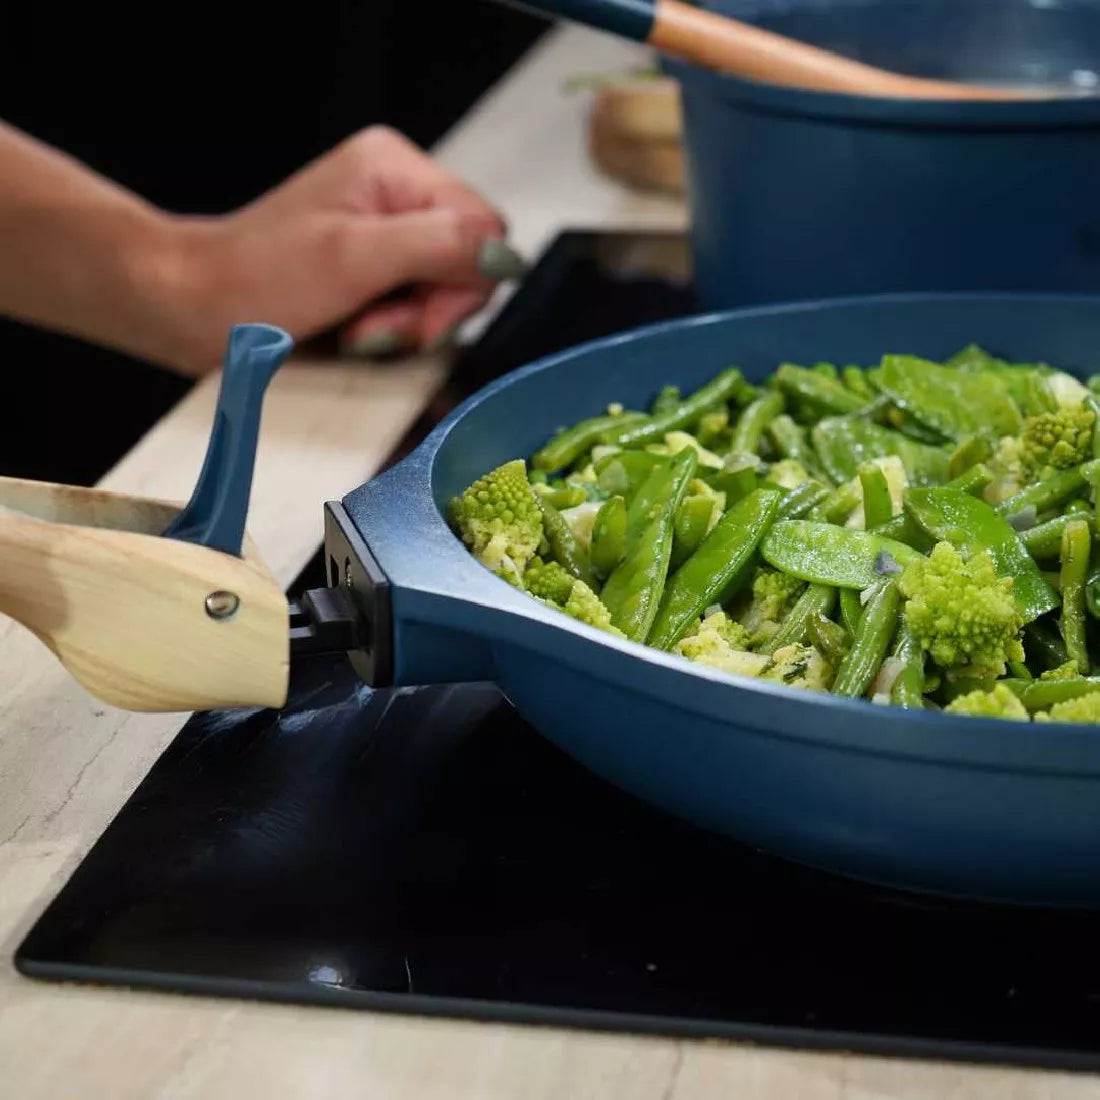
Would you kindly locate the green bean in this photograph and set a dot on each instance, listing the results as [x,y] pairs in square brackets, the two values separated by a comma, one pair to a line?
[903,528]
[969,452]
[690,528]
[870,642]
[973,481]
[908,689]
[1044,645]
[621,474]
[837,506]
[1043,694]
[816,599]
[564,547]
[821,392]
[653,429]
[1044,540]
[633,592]
[752,422]
[569,444]
[716,570]
[826,370]
[568,496]
[1092,593]
[792,442]
[829,638]
[608,536]
[856,381]
[537,477]
[665,401]
[1020,670]
[801,499]
[851,610]
[878,506]
[1050,492]
[824,554]
[735,483]
[1077,506]
[1076,547]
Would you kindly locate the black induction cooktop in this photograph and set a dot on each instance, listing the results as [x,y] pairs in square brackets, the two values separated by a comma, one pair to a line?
[423,850]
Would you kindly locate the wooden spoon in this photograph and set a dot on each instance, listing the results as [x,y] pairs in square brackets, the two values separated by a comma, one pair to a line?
[716,42]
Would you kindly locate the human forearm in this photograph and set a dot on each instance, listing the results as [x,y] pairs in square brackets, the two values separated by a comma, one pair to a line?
[82,255]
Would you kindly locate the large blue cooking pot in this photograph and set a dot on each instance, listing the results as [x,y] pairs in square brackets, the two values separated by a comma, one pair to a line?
[960,806]
[798,194]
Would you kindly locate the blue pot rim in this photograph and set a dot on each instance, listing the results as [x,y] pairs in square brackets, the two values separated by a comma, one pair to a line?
[1038,115]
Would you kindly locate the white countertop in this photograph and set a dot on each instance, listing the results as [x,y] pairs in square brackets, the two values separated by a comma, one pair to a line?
[67,763]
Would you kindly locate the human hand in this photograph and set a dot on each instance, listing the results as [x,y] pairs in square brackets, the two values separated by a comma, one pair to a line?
[327,248]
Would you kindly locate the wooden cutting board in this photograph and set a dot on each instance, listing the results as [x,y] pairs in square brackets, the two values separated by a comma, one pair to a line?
[635,134]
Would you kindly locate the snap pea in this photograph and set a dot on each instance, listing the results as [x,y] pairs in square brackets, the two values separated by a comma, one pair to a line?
[734,482]
[904,528]
[951,402]
[653,429]
[567,496]
[750,426]
[621,474]
[876,627]
[908,689]
[842,443]
[972,526]
[633,592]
[802,499]
[665,401]
[716,570]
[816,599]
[856,381]
[825,554]
[571,443]
[652,494]
[1043,694]
[822,393]
[851,610]
[1050,492]
[1076,547]
[1039,399]
[838,505]
[878,506]
[829,638]
[973,481]
[792,442]
[608,536]
[969,452]
[564,547]
[690,528]
[1044,540]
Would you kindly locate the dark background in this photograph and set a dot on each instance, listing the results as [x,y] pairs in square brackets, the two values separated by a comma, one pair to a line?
[200,108]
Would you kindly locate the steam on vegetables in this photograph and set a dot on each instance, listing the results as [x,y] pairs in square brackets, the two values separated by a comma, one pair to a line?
[915,533]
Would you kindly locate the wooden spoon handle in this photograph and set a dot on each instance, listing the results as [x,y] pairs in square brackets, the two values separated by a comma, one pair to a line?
[717,42]
[143,622]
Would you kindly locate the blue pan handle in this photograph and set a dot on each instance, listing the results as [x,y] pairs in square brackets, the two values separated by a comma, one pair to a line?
[215,515]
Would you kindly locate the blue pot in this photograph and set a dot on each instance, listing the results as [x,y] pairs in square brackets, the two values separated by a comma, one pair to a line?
[799,194]
[958,806]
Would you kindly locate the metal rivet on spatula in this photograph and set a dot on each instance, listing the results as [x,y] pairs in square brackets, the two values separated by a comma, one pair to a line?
[221,605]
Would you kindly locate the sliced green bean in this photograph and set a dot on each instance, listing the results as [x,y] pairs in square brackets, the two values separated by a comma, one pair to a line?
[870,642]
[878,505]
[837,506]
[665,401]
[608,536]
[716,570]
[792,441]
[1050,492]
[829,638]
[754,420]
[1043,694]
[908,689]
[1044,646]
[816,599]
[1044,540]
[564,547]
[851,610]
[969,452]
[571,443]
[1076,548]
[802,499]
[654,429]
[822,393]
[825,554]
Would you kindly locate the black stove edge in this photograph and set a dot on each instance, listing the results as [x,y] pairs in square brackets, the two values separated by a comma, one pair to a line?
[666,1027]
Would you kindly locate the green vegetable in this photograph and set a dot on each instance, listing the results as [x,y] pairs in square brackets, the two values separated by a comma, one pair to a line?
[798,501]
[665,401]
[830,639]
[816,601]
[752,422]
[856,381]
[653,429]
[1044,540]
[878,507]
[713,572]
[655,491]
[567,496]
[824,554]
[973,526]
[1050,492]
[565,549]
[569,444]
[690,528]
[1056,440]
[842,444]
[908,687]
[608,536]
[1076,547]
[620,474]
[870,642]
[996,703]
[633,591]
[554,585]
[791,441]
[952,402]
[822,394]
[851,610]
[1083,709]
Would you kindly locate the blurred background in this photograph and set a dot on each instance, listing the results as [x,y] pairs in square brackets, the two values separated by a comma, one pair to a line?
[200,109]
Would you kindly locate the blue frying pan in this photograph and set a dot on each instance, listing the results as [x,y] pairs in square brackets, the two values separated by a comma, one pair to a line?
[957,806]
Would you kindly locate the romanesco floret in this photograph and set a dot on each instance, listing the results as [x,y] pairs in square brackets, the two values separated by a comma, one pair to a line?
[773,595]
[1085,709]
[998,703]
[1068,671]
[801,666]
[962,613]
[1055,441]
[554,585]
[499,519]
[720,642]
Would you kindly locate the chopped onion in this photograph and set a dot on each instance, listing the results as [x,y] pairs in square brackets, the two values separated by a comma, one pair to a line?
[712,610]
[891,669]
[886,565]
[866,594]
[1024,520]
